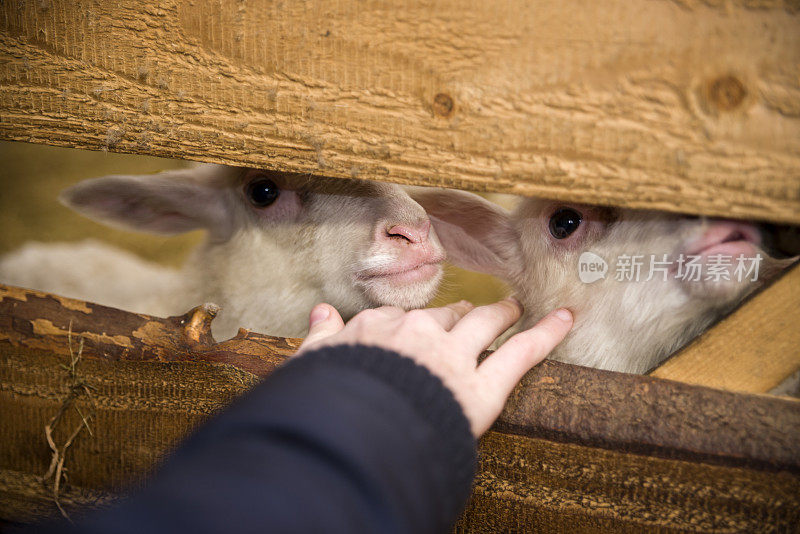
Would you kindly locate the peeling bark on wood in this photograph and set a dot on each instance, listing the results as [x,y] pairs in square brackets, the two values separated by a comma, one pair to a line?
[679,106]
[41,321]
[575,448]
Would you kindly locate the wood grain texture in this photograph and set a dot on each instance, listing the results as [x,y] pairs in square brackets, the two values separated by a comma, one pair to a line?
[753,350]
[690,106]
[576,450]
[529,484]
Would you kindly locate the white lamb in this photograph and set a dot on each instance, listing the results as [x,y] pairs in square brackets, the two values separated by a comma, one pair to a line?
[277,244]
[620,324]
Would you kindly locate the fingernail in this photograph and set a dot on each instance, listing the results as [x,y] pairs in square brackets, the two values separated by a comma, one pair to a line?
[563,314]
[318,314]
[514,301]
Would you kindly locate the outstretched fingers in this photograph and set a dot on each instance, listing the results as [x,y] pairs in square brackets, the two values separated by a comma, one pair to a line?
[508,364]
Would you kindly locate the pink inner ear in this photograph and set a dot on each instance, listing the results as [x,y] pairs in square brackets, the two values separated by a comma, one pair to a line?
[463,249]
[476,234]
[169,203]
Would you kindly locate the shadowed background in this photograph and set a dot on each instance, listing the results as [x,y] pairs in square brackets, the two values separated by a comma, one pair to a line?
[33,176]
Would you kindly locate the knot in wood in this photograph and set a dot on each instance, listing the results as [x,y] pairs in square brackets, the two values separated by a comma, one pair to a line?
[443,105]
[197,323]
[726,93]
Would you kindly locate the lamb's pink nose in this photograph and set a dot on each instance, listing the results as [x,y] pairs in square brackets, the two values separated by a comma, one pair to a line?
[416,234]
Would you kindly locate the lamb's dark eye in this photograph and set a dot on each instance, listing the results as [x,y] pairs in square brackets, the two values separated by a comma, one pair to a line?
[262,192]
[564,222]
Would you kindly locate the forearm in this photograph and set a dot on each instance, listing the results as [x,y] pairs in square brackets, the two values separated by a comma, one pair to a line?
[342,440]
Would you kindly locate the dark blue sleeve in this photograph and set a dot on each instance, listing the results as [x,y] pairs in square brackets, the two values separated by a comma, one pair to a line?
[343,439]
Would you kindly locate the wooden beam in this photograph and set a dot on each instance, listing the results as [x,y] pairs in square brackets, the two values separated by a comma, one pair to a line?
[679,105]
[555,400]
[752,350]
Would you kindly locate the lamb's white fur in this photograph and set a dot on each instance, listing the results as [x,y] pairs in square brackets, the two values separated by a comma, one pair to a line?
[623,326]
[93,271]
[265,267]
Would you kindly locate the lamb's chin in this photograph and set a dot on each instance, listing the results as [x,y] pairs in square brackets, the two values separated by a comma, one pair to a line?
[721,293]
[407,290]
[727,292]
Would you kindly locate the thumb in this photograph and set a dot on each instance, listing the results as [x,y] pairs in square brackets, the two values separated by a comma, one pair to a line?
[323,321]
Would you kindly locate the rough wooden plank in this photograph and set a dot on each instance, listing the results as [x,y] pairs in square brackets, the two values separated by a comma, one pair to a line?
[677,105]
[753,350]
[536,485]
[625,412]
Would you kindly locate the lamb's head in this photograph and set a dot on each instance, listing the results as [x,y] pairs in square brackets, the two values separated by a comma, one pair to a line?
[280,240]
[690,270]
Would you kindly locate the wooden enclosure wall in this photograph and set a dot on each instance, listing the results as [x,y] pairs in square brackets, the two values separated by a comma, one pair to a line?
[680,105]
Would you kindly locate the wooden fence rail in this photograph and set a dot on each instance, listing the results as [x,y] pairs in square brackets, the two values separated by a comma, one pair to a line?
[680,105]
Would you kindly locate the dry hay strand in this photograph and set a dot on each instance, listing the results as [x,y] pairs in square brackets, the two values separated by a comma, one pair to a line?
[77,389]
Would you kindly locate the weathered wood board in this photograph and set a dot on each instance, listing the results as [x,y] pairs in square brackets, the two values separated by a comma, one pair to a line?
[576,448]
[679,105]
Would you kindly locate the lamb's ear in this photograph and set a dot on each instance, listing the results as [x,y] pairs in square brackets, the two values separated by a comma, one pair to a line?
[476,234]
[168,203]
